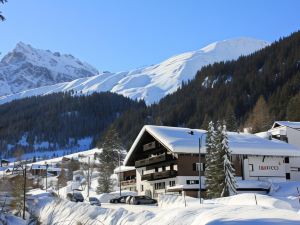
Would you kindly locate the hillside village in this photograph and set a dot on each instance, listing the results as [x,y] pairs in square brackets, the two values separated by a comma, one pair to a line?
[163,163]
[150,112]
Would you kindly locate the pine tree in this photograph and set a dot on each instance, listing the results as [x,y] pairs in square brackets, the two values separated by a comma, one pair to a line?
[112,150]
[206,122]
[218,161]
[293,109]
[210,167]
[231,121]
[229,182]
[105,182]
[109,159]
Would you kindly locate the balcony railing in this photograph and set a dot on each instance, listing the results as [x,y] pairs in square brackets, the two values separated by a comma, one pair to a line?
[151,160]
[160,175]
[128,182]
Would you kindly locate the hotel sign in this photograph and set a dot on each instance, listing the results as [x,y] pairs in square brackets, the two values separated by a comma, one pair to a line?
[269,167]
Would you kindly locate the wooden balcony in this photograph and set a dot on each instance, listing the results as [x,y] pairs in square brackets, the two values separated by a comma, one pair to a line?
[160,175]
[151,160]
[128,182]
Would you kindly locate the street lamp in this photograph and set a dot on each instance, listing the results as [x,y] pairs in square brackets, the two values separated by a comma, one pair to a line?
[200,169]
[47,165]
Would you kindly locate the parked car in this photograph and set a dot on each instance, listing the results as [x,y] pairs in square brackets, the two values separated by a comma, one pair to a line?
[137,200]
[121,199]
[128,199]
[94,201]
[75,197]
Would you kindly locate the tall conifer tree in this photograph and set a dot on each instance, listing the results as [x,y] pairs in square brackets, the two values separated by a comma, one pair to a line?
[229,182]
[209,158]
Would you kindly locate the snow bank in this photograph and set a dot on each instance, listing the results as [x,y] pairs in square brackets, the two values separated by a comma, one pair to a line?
[65,212]
[251,199]
[172,201]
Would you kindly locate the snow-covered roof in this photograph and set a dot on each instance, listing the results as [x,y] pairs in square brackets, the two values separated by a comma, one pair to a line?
[179,140]
[295,125]
[121,169]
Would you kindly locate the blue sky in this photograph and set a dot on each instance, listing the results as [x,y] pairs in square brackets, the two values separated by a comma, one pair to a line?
[120,35]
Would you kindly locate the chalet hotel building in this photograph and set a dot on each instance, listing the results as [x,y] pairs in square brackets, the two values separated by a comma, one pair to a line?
[166,159]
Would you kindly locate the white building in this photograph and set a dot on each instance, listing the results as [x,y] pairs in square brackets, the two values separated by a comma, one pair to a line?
[286,131]
[167,160]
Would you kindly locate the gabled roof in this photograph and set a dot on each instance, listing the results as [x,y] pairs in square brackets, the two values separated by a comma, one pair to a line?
[179,140]
[294,125]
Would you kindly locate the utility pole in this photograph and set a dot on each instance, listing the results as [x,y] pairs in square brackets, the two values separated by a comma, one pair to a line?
[120,184]
[24,193]
[200,169]
[46,177]
[88,176]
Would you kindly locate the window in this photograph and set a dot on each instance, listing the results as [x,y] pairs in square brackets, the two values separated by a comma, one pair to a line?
[163,168]
[286,160]
[142,187]
[172,183]
[288,176]
[192,182]
[250,167]
[203,166]
[156,169]
[160,185]
[196,167]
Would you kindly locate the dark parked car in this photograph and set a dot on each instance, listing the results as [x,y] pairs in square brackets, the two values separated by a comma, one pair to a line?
[75,197]
[121,199]
[94,201]
[137,200]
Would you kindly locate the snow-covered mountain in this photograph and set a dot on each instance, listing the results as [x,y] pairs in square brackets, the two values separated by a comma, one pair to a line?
[153,82]
[26,68]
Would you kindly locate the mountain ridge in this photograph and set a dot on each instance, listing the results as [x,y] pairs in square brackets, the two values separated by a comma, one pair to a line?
[26,67]
[153,82]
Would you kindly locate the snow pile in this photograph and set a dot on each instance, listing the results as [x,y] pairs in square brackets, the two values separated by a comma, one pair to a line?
[66,212]
[106,197]
[154,82]
[252,199]
[173,201]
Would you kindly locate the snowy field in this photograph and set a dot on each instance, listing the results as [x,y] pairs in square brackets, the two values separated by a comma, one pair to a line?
[280,207]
